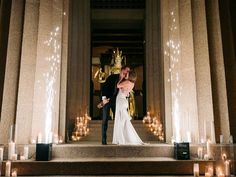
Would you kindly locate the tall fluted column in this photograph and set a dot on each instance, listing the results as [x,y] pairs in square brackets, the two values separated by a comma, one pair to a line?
[154,74]
[165,14]
[79,63]
[8,113]
[64,65]
[48,68]
[217,69]
[229,61]
[27,71]
[187,73]
[202,69]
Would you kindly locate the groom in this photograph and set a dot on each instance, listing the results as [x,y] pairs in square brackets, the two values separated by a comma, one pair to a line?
[109,93]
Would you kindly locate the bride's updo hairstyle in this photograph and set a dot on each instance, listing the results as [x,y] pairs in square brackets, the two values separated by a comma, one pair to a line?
[132,76]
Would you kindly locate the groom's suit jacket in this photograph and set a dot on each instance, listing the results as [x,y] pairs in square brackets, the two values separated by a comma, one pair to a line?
[109,88]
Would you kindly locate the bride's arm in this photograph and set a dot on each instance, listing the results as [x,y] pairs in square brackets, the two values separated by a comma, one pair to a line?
[125,85]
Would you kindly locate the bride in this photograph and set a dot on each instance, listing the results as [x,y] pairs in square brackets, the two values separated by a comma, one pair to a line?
[124,132]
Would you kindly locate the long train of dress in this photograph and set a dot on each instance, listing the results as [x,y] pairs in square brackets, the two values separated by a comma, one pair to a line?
[124,132]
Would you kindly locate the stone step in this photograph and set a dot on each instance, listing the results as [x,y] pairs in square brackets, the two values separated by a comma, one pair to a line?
[95,159]
[95,131]
[108,166]
[83,151]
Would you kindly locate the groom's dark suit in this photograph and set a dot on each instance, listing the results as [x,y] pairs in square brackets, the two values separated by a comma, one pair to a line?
[109,90]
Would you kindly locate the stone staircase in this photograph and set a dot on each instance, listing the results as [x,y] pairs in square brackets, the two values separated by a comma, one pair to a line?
[95,131]
[89,157]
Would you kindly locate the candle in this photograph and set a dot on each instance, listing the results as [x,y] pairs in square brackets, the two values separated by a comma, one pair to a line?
[200,153]
[219,172]
[8,169]
[227,168]
[1,154]
[209,149]
[33,141]
[40,139]
[196,170]
[209,171]
[224,157]
[231,141]
[206,157]
[189,137]
[14,173]
[22,157]
[11,149]
[221,175]
[14,157]
[221,139]
[26,152]
[213,140]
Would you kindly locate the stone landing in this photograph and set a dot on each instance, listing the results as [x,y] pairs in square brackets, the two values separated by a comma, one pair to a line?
[95,159]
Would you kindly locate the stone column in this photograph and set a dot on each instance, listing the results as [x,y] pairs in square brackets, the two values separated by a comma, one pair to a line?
[188,102]
[217,69]
[48,67]
[229,61]
[64,65]
[12,70]
[202,68]
[180,85]
[5,12]
[165,14]
[154,64]
[79,64]
[27,71]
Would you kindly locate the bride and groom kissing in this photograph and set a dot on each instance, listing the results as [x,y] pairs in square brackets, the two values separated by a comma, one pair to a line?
[115,91]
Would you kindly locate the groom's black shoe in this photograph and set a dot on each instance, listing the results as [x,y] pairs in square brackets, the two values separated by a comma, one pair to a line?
[104,142]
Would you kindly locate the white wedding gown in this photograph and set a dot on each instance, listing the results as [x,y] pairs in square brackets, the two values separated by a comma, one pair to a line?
[124,132]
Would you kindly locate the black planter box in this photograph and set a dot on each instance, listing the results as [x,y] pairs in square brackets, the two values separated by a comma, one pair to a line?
[43,152]
[181,151]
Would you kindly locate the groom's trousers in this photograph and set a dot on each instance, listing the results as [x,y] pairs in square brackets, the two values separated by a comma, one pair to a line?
[105,118]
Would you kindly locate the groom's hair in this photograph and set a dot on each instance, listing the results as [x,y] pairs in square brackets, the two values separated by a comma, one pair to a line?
[124,67]
[132,76]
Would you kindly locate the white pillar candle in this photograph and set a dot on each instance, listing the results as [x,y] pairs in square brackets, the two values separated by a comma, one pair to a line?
[209,149]
[200,153]
[11,149]
[1,154]
[231,141]
[14,157]
[227,168]
[213,139]
[189,139]
[26,152]
[207,174]
[14,173]
[8,169]
[22,157]
[40,138]
[196,170]
[221,139]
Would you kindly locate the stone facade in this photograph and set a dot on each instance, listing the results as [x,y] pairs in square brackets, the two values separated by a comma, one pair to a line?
[47,70]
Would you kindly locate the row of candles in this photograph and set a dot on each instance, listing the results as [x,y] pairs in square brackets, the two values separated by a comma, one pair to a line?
[12,155]
[81,127]
[209,170]
[224,164]
[154,126]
